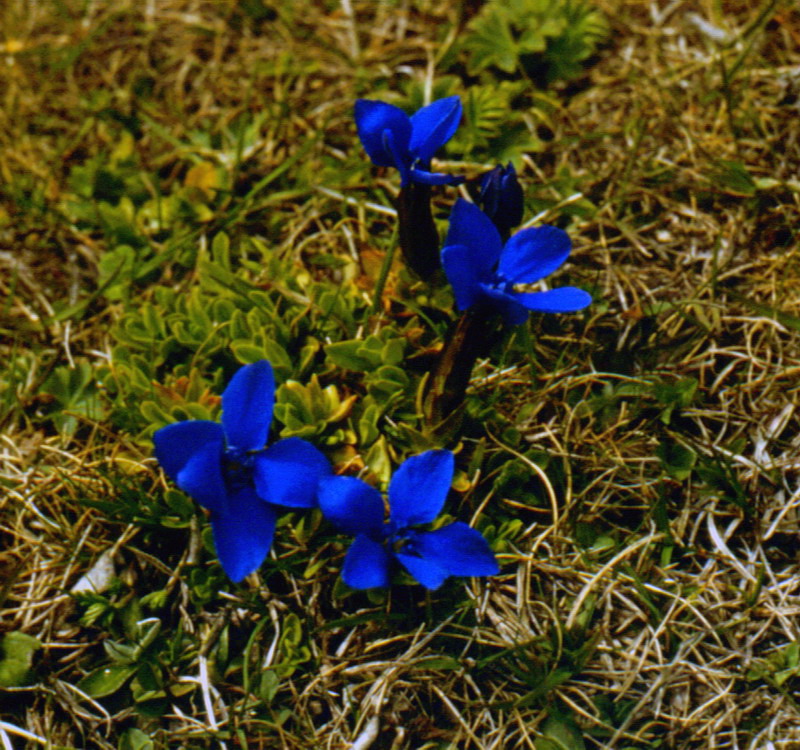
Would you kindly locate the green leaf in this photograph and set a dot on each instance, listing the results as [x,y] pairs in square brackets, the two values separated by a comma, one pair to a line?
[116,269]
[246,353]
[349,355]
[135,739]
[732,177]
[674,396]
[560,733]
[16,656]
[268,687]
[220,250]
[676,459]
[106,680]
[439,664]
[491,42]
[378,459]
[68,385]
[514,34]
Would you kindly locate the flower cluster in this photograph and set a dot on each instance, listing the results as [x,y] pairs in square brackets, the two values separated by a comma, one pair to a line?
[229,471]
[479,266]
[243,482]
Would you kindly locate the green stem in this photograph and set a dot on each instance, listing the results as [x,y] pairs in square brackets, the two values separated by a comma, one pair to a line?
[388,259]
[471,339]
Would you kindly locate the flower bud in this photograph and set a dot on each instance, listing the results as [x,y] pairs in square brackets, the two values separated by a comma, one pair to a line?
[501,198]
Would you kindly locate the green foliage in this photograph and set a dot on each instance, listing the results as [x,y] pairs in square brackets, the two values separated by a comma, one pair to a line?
[20,371]
[308,410]
[560,732]
[75,396]
[676,459]
[133,502]
[780,667]
[135,739]
[494,126]
[648,398]
[140,666]
[527,36]
[16,659]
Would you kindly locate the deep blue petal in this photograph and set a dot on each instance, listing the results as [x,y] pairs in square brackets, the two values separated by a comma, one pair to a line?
[247,406]
[470,227]
[176,443]
[352,505]
[433,126]
[288,473]
[459,549]
[243,536]
[461,267]
[372,119]
[400,157]
[531,254]
[434,178]
[419,488]
[366,564]
[430,574]
[201,477]
[513,312]
[562,300]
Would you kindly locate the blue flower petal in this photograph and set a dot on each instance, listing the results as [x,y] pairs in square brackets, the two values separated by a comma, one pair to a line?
[419,488]
[461,267]
[531,254]
[366,564]
[288,473]
[430,574]
[352,505]
[459,549]
[400,157]
[176,443]
[513,312]
[247,406]
[433,126]
[372,119]
[434,178]
[201,477]
[564,299]
[243,536]
[470,227]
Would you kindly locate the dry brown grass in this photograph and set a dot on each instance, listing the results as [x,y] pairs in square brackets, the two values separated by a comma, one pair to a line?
[689,595]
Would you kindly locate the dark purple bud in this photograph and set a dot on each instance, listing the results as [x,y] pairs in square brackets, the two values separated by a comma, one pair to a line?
[501,198]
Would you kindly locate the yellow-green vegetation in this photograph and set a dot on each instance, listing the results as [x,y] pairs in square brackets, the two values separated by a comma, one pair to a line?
[182,192]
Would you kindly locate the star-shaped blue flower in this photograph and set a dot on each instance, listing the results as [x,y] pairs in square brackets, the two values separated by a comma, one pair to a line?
[393,139]
[416,495]
[481,269]
[227,469]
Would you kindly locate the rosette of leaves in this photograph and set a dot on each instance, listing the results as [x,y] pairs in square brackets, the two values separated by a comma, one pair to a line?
[534,37]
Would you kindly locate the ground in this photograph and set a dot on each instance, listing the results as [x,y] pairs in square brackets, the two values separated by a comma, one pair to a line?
[183,190]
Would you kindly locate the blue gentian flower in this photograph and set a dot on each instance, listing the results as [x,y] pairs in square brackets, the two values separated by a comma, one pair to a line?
[226,468]
[393,139]
[416,495]
[483,270]
[501,198]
